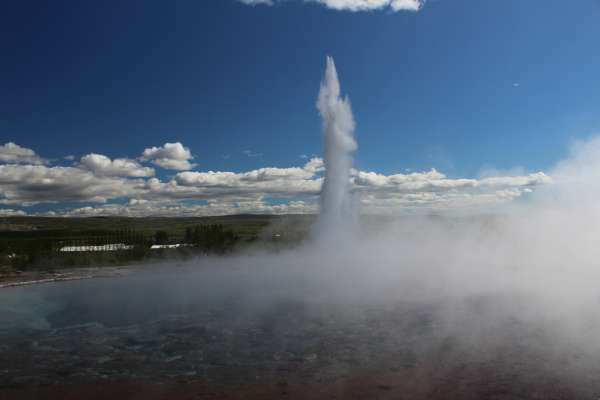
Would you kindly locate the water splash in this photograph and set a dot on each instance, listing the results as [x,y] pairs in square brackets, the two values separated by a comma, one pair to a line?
[338,209]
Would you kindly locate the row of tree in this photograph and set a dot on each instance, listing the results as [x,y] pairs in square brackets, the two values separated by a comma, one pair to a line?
[211,238]
[131,245]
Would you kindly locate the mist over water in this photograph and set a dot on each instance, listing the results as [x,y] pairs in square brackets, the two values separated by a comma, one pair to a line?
[523,281]
[525,277]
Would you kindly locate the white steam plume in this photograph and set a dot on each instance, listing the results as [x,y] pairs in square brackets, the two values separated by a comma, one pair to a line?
[337,209]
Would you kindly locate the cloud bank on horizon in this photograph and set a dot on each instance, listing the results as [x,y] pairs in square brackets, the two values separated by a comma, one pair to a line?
[353,5]
[128,187]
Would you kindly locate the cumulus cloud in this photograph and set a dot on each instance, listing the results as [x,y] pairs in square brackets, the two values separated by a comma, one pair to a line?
[256,2]
[355,5]
[9,212]
[169,156]
[11,153]
[369,5]
[432,190]
[101,165]
[172,209]
[409,5]
[32,184]
[99,180]
[433,180]
[279,182]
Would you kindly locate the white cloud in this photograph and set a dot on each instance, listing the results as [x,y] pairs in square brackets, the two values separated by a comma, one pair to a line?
[174,209]
[169,156]
[9,212]
[103,166]
[101,180]
[432,190]
[31,184]
[355,5]
[433,181]
[250,153]
[257,2]
[280,182]
[369,5]
[12,153]
[408,5]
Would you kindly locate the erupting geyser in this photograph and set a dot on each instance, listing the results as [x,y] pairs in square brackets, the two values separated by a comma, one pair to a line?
[337,208]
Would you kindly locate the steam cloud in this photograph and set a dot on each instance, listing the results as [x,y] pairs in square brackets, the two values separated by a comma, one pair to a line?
[522,282]
[524,278]
[338,127]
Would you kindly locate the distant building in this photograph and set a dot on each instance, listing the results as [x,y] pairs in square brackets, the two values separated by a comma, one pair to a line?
[104,247]
[165,246]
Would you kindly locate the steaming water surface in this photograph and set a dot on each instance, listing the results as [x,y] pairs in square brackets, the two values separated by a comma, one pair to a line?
[306,315]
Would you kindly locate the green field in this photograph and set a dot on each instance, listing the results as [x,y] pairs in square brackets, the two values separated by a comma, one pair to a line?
[28,243]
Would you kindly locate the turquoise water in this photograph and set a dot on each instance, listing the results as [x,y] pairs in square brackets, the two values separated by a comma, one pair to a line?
[112,302]
[26,308]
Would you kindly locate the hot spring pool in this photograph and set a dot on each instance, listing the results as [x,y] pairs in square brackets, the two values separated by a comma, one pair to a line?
[226,330]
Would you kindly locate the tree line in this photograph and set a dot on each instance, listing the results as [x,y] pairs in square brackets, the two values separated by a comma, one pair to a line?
[22,250]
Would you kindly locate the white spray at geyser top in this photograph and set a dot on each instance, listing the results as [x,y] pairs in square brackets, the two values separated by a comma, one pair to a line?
[338,211]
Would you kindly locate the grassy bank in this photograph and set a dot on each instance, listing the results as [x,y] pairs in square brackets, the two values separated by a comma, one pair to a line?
[35,243]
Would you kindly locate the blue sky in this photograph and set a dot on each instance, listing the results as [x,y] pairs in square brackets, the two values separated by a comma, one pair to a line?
[460,85]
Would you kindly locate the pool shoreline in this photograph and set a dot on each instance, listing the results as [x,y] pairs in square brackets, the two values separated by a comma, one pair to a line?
[64,275]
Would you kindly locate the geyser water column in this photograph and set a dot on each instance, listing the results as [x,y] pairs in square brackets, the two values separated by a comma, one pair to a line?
[338,210]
